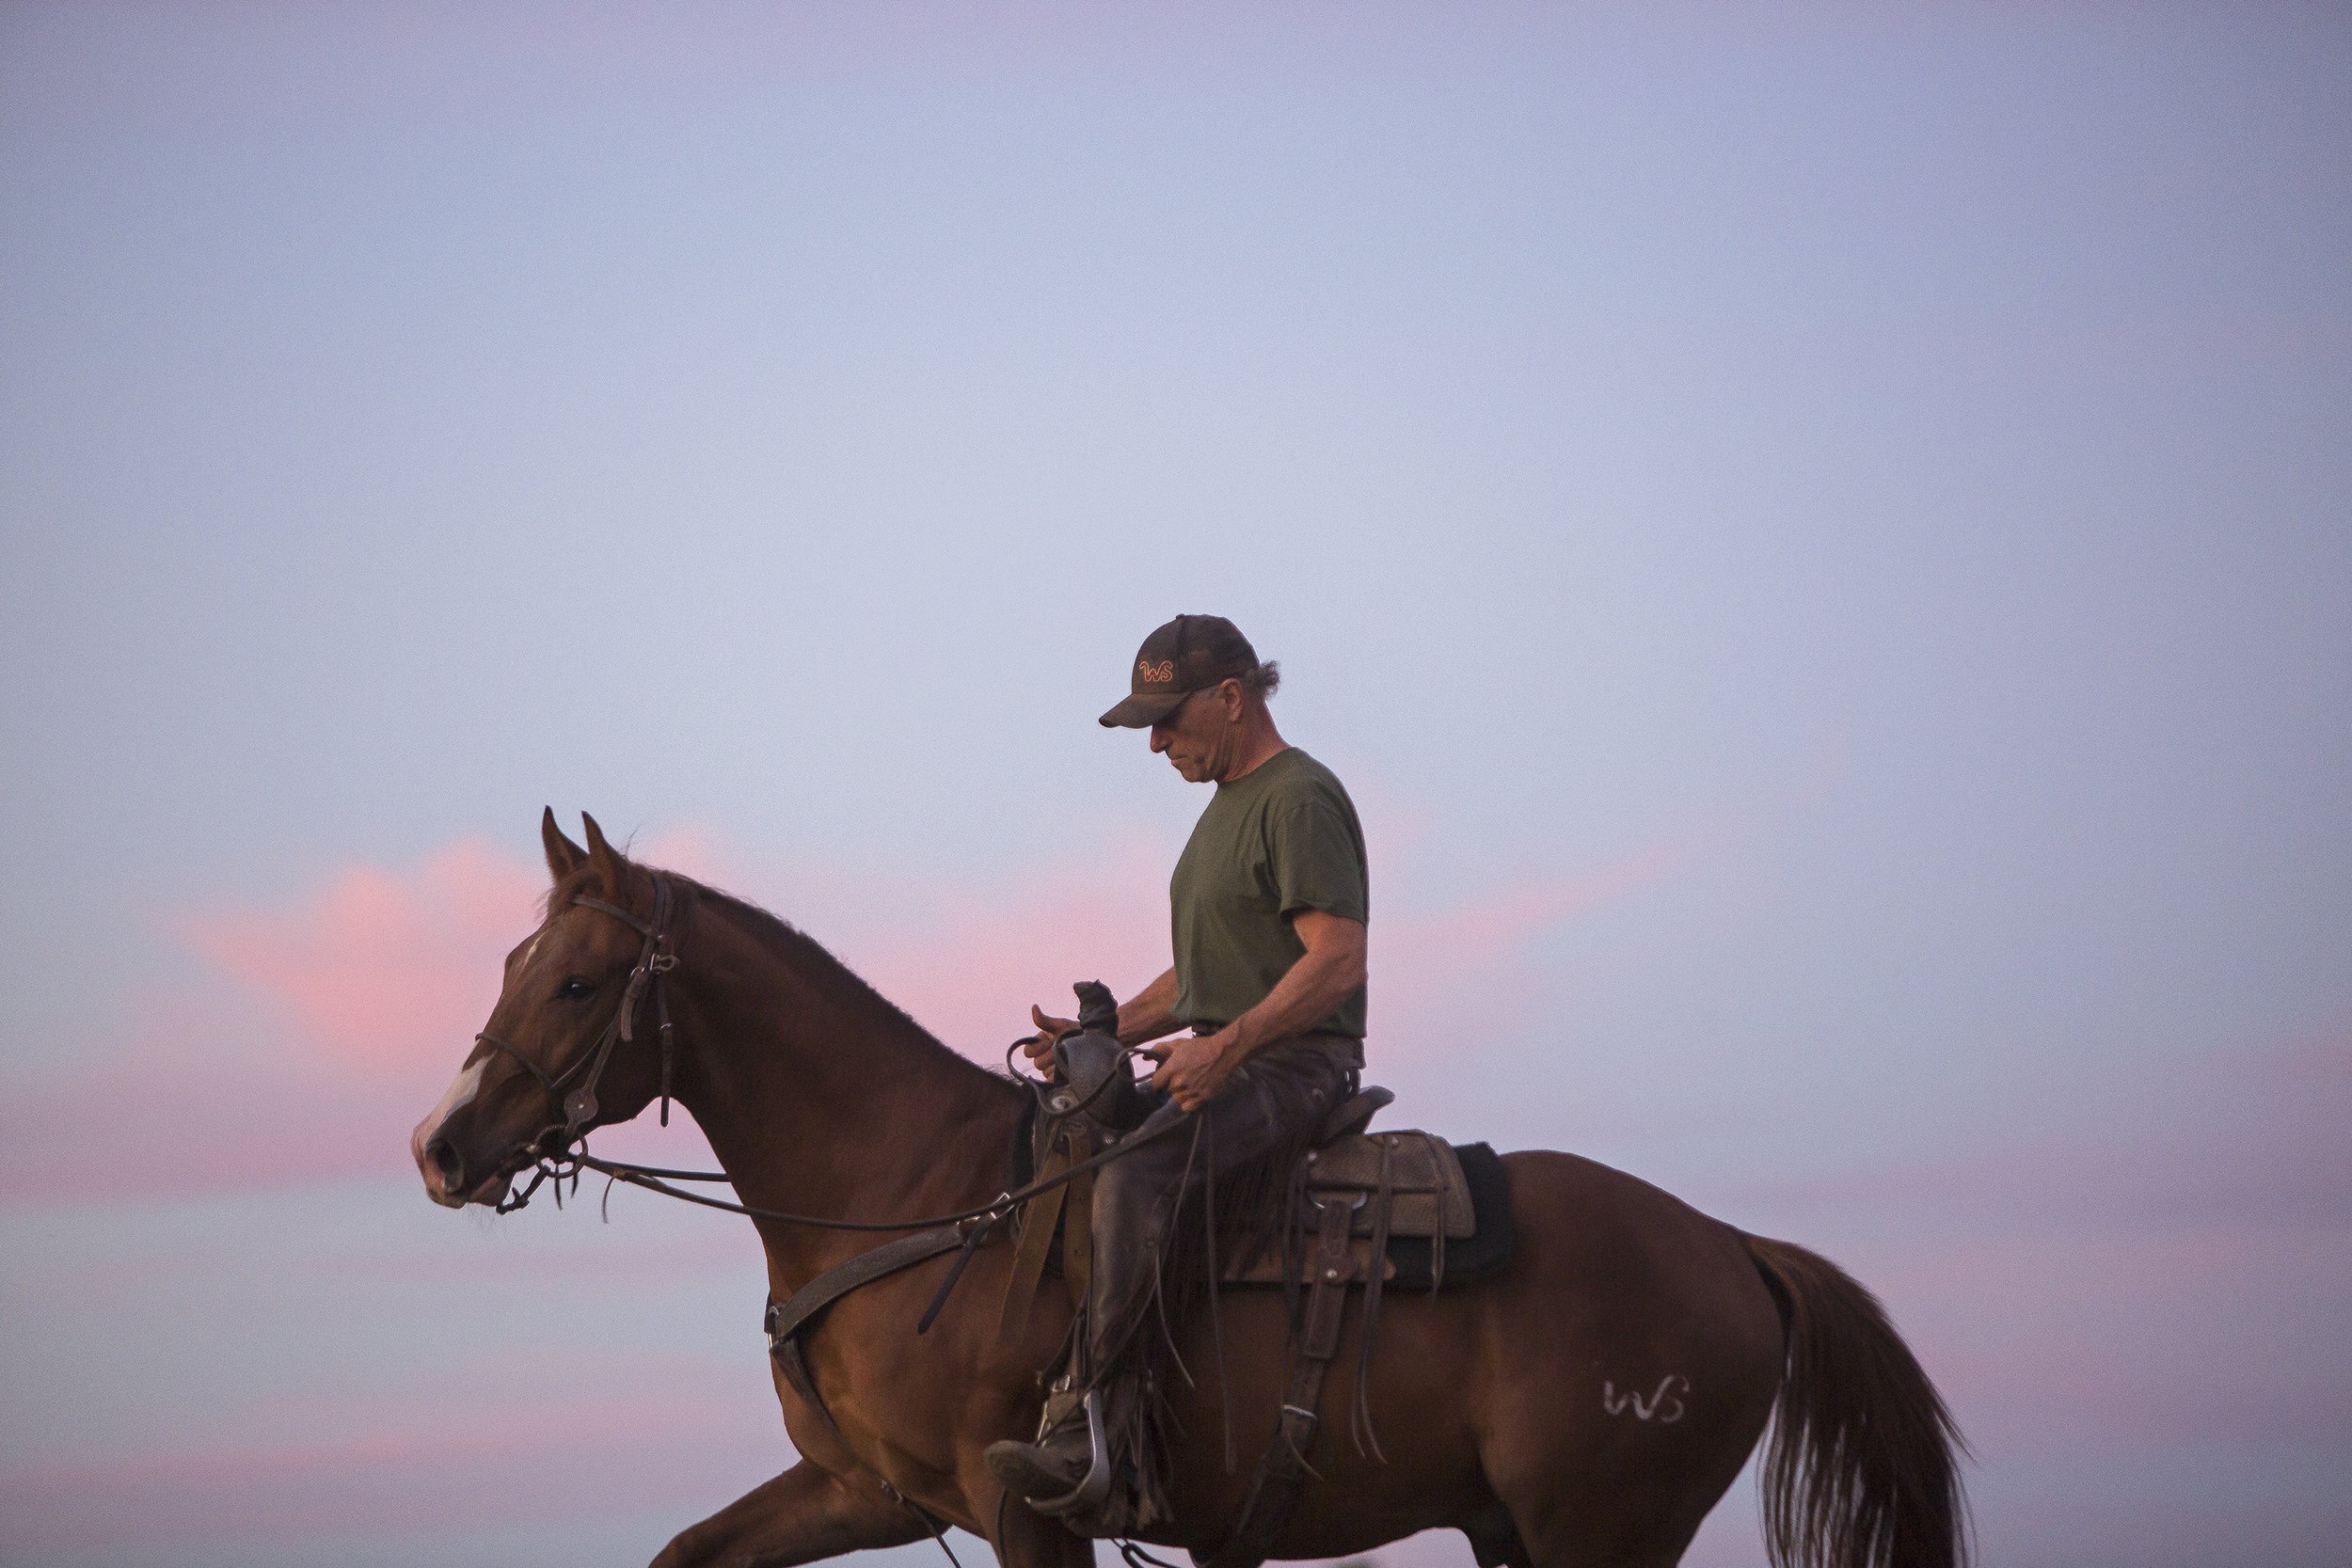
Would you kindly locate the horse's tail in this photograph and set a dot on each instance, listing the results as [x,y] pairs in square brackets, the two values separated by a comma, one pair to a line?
[1862,1468]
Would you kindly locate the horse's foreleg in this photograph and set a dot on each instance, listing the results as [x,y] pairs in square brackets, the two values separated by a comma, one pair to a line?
[804,1514]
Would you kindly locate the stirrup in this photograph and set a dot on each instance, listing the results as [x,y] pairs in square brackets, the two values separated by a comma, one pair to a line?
[1090,1493]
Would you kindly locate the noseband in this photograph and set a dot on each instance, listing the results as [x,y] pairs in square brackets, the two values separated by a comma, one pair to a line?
[577,1106]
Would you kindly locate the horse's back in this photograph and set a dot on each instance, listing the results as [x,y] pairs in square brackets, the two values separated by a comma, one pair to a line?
[1580,1214]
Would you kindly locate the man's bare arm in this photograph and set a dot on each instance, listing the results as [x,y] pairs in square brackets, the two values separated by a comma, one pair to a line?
[1319,981]
[1149,1013]
[1192,1072]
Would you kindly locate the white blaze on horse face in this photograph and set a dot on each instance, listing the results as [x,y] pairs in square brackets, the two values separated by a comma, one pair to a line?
[461,1093]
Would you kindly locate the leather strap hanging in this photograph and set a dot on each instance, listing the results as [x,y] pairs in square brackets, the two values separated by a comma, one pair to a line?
[1383,1204]
[1038,1219]
[1078,1233]
[1284,1468]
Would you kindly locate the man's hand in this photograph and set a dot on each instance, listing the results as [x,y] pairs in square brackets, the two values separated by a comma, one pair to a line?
[1038,1048]
[1194,1070]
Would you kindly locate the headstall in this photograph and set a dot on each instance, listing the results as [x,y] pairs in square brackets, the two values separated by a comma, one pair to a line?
[577,1105]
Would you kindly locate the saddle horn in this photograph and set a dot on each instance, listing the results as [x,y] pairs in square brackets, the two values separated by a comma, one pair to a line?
[1094,1065]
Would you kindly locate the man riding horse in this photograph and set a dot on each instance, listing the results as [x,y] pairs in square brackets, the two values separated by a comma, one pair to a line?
[1513,1400]
[1267,910]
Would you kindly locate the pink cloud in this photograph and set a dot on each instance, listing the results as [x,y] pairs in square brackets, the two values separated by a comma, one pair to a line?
[159,1121]
[332,1021]
[1510,915]
[1431,965]
[329,1023]
[967,962]
[379,968]
[336,1015]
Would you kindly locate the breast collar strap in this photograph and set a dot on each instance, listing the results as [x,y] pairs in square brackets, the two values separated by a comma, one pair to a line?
[577,1105]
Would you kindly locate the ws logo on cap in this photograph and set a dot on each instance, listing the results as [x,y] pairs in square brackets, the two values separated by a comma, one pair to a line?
[1164,670]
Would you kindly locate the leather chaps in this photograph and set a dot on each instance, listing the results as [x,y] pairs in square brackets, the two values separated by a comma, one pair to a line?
[1247,1137]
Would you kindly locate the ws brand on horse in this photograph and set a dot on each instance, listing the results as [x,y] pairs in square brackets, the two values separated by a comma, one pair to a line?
[1583,1405]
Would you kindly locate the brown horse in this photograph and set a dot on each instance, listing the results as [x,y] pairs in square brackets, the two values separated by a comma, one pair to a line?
[1582,1408]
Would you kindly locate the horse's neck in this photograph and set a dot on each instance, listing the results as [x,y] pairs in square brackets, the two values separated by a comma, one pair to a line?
[821,1101]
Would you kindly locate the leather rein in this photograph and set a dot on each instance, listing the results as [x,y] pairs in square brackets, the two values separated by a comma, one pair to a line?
[557,1152]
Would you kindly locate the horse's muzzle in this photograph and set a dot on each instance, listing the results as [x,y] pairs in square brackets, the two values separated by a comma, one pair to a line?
[444,1172]
[448,1182]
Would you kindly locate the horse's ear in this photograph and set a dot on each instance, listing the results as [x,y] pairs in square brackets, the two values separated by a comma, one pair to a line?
[606,859]
[564,856]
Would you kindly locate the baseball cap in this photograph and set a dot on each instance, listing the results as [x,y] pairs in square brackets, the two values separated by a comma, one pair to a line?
[1190,653]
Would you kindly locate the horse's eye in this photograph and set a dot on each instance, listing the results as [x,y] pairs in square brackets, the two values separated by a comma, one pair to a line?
[573,989]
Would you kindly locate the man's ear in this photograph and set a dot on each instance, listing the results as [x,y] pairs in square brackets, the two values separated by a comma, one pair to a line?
[564,856]
[609,862]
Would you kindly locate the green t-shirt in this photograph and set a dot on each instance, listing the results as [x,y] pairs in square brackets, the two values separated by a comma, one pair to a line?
[1281,838]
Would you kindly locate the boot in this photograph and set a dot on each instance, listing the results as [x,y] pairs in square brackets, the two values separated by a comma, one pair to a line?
[1074,1466]
[1052,1469]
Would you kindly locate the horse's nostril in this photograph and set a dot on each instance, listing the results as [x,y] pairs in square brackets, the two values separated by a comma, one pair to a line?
[447,1161]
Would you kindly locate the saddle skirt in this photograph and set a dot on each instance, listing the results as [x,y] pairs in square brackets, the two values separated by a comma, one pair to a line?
[1438,1214]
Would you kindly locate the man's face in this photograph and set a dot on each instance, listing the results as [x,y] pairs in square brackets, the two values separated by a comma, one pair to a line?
[1197,737]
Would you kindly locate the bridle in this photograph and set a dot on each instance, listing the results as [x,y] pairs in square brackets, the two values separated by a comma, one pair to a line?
[577,1105]
[558,1152]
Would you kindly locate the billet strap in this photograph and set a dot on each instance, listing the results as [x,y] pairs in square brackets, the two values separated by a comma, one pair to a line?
[1284,1469]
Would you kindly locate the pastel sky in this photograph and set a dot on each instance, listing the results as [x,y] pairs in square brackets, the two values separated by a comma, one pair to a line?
[1819,537]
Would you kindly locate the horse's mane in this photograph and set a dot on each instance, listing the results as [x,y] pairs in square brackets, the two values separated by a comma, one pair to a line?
[804,954]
